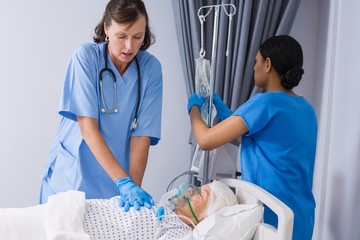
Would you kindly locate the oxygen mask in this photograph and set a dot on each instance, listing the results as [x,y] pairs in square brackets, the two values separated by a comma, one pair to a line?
[178,198]
[183,196]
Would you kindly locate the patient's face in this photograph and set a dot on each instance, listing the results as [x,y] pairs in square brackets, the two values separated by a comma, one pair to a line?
[199,201]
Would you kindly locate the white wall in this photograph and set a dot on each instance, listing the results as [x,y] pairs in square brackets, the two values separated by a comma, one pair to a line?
[337,180]
[330,31]
[37,39]
[305,30]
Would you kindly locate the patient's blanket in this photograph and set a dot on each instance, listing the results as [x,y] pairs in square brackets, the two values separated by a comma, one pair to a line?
[104,219]
[23,223]
[60,219]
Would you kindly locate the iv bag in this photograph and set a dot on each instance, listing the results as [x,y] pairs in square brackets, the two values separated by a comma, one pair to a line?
[203,89]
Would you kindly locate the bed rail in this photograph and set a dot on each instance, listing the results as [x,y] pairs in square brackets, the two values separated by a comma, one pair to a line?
[250,193]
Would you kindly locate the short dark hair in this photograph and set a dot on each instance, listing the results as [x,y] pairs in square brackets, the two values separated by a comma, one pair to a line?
[286,57]
[124,11]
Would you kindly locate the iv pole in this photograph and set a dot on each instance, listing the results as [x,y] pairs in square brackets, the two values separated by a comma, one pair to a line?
[206,179]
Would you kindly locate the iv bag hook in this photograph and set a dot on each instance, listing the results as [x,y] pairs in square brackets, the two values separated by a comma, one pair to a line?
[229,12]
[202,51]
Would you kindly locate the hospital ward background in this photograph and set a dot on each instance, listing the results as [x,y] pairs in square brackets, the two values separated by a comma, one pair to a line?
[38,36]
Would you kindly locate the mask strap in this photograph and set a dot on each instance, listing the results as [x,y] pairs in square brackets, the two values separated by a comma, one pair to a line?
[188,199]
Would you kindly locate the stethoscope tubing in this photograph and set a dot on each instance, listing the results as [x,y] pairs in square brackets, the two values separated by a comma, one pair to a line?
[104,107]
[114,108]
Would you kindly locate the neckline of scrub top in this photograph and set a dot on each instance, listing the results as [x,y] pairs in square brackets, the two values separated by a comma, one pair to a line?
[131,73]
[288,94]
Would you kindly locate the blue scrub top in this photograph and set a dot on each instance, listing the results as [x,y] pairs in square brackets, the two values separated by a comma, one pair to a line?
[278,153]
[71,164]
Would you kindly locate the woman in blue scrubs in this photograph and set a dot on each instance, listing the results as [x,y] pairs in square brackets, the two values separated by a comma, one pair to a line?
[99,149]
[278,131]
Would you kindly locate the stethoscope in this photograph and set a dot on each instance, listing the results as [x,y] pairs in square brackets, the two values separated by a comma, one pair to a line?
[114,109]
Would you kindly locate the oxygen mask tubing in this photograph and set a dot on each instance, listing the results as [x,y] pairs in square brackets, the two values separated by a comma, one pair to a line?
[179,198]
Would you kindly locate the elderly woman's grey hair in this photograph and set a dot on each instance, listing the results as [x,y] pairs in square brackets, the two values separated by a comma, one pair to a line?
[221,196]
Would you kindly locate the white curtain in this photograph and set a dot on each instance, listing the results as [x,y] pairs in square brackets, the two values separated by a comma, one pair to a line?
[337,178]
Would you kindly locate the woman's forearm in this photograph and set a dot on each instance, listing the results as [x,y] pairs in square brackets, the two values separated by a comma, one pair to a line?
[139,150]
[210,138]
[100,149]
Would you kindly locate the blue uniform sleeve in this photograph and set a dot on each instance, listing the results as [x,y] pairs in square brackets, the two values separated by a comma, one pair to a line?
[79,95]
[255,113]
[150,110]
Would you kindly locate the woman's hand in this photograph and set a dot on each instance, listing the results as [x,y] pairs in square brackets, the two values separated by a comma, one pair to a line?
[131,195]
[223,111]
[195,100]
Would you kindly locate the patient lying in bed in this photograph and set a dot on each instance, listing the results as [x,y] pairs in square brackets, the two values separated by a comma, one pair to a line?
[68,215]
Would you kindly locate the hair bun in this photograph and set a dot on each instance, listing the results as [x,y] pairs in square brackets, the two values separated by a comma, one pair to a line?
[292,77]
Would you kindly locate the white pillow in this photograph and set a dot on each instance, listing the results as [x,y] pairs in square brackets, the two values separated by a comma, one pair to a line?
[236,222]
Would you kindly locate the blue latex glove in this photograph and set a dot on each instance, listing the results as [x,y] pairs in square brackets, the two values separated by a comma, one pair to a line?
[195,100]
[131,195]
[223,111]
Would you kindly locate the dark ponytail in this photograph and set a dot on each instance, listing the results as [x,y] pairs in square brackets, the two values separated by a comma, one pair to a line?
[286,58]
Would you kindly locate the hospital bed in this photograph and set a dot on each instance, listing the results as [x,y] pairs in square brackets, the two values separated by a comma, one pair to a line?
[249,193]
[64,216]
